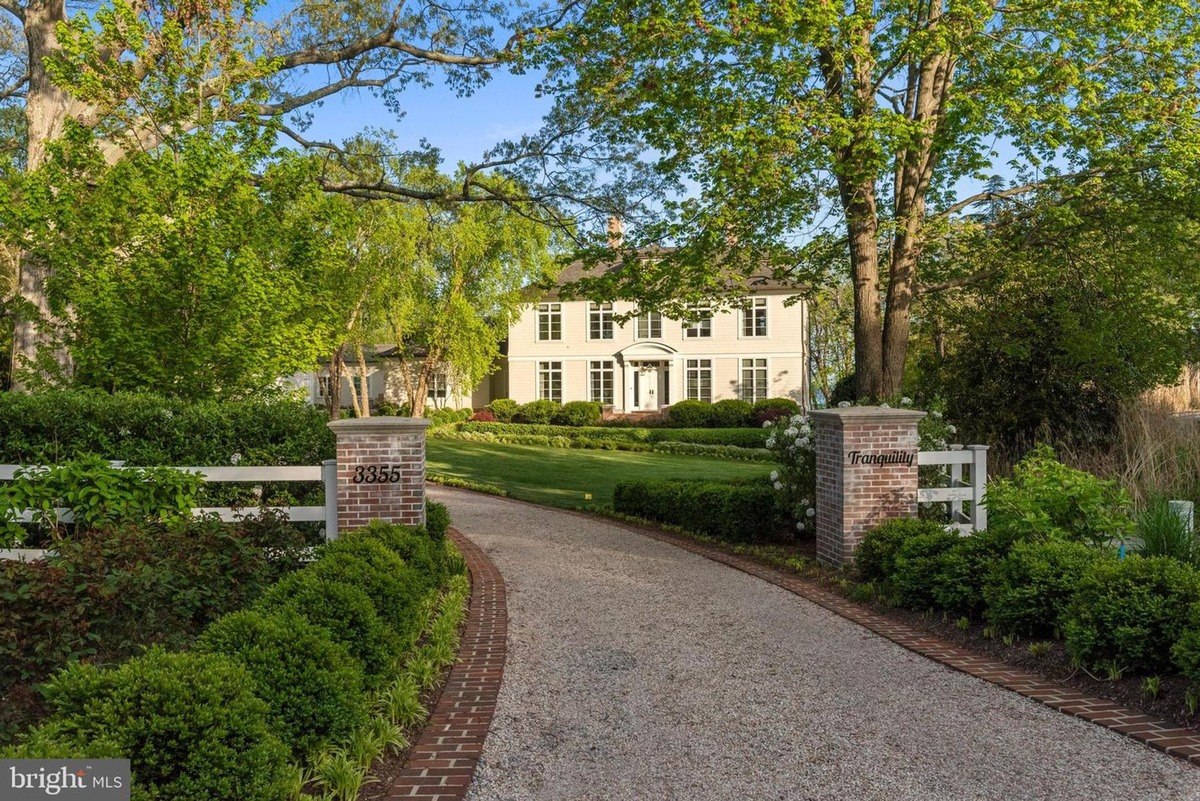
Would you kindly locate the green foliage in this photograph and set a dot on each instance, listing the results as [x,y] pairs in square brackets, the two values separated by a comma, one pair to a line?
[345,611]
[1130,612]
[1164,533]
[578,413]
[1027,592]
[107,594]
[734,437]
[964,568]
[1046,499]
[313,688]
[446,417]
[918,568]
[770,409]
[1057,366]
[396,589]
[504,409]
[732,413]
[690,414]
[732,512]
[437,520]
[415,546]
[875,558]
[538,412]
[188,722]
[143,429]
[1185,654]
[790,440]
[845,390]
[97,494]
[182,275]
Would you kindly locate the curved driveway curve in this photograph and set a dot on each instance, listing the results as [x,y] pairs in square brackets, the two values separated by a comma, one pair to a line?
[637,670]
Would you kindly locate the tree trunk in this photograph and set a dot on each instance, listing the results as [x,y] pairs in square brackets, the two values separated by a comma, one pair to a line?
[364,382]
[47,109]
[333,400]
[863,225]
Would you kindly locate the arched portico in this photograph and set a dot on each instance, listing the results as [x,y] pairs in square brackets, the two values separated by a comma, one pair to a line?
[651,375]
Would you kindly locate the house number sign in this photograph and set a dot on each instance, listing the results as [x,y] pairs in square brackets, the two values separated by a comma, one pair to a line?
[377,474]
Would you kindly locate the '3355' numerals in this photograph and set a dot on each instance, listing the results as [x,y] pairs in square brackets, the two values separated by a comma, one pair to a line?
[377,474]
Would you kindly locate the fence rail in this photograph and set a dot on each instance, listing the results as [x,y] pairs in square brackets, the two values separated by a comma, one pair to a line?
[960,490]
[326,473]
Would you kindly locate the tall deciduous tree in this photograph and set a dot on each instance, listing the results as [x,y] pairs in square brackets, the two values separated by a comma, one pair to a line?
[854,125]
[137,73]
[181,276]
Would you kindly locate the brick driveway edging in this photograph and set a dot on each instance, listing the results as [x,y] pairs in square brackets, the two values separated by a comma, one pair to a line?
[441,765]
[1154,731]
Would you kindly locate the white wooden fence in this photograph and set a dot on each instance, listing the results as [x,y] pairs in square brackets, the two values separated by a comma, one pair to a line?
[326,473]
[960,489]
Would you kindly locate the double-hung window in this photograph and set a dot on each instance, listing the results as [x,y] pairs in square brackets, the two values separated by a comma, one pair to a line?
[754,318]
[439,386]
[649,325]
[600,382]
[600,321]
[754,380]
[549,322]
[699,326]
[698,379]
[549,378]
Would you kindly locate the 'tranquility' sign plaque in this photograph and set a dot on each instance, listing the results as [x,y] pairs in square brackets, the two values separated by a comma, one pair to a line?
[886,458]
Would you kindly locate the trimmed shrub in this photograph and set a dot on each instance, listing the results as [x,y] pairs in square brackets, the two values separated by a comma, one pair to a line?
[768,410]
[396,590]
[416,547]
[918,565]
[1186,652]
[483,416]
[958,586]
[730,512]
[732,413]
[1128,613]
[579,413]
[538,412]
[504,409]
[437,519]
[144,429]
[612,437]
[844,391]
[312,686]
[1046,499]
[345,611]
[1027,592]
[875,558]
[690,414]
[189,723]
[447,417]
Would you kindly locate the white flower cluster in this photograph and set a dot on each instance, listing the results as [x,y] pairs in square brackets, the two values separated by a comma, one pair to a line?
[235,459]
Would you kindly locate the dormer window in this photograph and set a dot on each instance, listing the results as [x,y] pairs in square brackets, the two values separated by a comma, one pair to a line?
[649,325]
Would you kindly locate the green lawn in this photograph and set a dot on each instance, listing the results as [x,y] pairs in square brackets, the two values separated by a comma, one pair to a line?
[564,476]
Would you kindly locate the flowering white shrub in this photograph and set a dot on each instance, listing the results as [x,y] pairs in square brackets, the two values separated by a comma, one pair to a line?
[791,442]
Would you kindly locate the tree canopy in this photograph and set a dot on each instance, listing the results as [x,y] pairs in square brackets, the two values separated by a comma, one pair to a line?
[844,136]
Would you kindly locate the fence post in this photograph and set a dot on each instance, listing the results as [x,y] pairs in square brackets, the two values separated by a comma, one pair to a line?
[866,474]
[329,475]
[380,471]
[978,486]
[956,512]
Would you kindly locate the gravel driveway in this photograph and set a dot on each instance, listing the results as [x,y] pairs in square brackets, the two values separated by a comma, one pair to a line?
[637,670]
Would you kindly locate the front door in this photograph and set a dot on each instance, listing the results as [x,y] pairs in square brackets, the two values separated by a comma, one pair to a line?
[646,387]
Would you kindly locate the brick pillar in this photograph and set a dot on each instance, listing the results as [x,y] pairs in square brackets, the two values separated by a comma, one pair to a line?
[866,473]
[380,471]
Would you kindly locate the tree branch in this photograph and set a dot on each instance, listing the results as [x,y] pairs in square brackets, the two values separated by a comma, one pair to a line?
[12,8]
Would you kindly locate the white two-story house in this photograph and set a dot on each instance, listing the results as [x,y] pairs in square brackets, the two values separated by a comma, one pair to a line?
[566,350]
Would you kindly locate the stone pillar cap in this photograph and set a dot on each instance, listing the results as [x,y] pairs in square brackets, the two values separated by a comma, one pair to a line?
[866,414]
[378,425]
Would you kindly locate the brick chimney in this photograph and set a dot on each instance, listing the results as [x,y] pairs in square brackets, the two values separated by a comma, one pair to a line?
[616,232]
